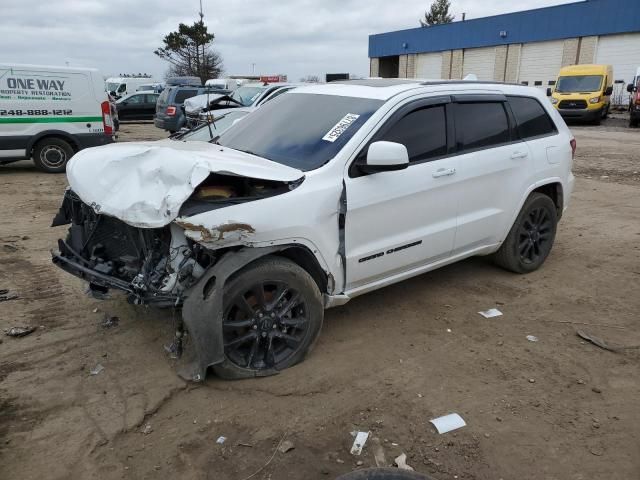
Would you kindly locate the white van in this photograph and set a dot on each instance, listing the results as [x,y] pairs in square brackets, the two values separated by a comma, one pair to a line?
[49,113]
[122,86]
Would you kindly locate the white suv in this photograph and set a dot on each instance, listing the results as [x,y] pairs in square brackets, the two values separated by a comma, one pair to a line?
[326,193]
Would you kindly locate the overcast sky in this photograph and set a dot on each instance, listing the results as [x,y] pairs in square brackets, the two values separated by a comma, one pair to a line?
[294,37]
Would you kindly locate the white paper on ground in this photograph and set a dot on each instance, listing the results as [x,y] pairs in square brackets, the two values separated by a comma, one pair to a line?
[358,443]
[492,312]
[448,423]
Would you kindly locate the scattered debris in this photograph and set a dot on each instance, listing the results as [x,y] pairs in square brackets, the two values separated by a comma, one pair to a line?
[147,429]
[241,444]
[619,327]
[339,460]
[598,342]
[596,390]
[97,369]
[22,331]
[598,452]
[95,310]
[492,312]
[401,462]
[532,338]
[286,446]
[221,440]
[359,463]
[358,443]
[448,330]
[109,322]
[5,296]
[532,380]
[270,459]
[580,381]
[450,422]
[378,452]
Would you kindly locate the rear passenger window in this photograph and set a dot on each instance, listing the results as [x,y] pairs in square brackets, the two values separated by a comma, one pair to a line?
[182,95]
[481,125]
[423,132]
[532,118]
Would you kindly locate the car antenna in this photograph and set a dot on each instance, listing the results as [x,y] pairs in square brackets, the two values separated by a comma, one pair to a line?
[208,118]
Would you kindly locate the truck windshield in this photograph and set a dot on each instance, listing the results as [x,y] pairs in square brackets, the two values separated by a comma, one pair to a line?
[579,83]
[300,130]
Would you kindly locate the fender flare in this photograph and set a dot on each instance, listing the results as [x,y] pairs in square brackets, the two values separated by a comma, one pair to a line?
[202,312]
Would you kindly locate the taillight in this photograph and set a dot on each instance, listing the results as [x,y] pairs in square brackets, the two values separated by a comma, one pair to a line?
[638,98]
[171,111]
[107,121]
[573,147]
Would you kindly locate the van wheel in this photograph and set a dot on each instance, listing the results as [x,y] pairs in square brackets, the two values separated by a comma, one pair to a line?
[272,316]
[531,237]
[52,154]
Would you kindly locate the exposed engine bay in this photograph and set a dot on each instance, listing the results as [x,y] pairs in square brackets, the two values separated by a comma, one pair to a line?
[153,265]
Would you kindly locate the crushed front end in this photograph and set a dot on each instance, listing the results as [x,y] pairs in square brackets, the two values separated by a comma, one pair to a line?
[151,265]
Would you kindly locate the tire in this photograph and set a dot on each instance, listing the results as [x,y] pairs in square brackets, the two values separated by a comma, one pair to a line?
[531,237]
[633,123]
[272,316]
[383,474]
[52,154]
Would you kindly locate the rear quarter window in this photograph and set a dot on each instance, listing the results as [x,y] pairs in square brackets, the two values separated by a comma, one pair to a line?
[531,117]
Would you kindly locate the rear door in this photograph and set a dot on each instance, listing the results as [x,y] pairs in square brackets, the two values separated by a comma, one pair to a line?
[150,100]
[493,166]
[400,220]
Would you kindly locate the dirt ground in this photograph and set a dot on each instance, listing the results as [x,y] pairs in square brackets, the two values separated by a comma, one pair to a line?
[558,409]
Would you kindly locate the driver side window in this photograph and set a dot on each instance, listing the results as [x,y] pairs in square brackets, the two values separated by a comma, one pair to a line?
[422,131]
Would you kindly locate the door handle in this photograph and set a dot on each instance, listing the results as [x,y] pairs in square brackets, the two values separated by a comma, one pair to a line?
[444,172]
[517,155]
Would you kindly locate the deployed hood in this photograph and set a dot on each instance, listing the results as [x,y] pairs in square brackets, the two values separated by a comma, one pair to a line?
[199,102]
[144,184]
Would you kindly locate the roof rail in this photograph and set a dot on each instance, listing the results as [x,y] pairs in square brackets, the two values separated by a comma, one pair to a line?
[467,82]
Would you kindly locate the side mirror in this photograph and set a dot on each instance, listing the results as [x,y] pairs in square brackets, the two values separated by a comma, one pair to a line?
[608,91]
[385,157]
[549,92]
[630,88]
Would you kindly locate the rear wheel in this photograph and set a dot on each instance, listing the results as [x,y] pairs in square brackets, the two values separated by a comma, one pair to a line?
[531,237]
[272,316]
[52,154]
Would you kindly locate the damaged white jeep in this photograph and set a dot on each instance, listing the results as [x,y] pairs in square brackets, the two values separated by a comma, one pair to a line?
[323,194]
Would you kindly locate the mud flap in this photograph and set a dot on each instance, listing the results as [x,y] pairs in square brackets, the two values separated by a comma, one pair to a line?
[202,313]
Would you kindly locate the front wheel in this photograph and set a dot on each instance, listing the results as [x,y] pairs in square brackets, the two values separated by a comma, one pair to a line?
[531,237]
[272,316]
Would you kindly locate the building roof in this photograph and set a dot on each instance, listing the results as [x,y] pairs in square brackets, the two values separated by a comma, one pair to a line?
[580,19]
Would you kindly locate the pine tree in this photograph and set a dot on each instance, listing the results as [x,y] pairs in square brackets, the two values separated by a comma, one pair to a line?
[437,14]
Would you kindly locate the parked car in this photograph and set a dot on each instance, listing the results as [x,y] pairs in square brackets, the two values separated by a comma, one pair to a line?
[330,192]
[49,113]
[634,100]
[213,128]
[150,87]
[251,95]
[169,107]
[583,92]
[137,106]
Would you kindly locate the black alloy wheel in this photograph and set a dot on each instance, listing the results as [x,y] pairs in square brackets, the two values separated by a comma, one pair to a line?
[534,235]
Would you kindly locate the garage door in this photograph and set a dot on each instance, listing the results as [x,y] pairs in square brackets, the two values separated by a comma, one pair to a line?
[480,62]
[429,65]
[540,63]
[623,53]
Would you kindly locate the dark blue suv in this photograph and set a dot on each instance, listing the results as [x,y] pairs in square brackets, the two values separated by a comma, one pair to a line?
[169,108]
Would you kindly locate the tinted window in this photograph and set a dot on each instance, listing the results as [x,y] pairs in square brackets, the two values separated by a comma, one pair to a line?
[423,132]
[182,95]
[531,117]
[481,125]
[301,130]
[151,98]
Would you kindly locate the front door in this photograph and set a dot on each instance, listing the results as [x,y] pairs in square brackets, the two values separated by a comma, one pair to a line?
[400,220]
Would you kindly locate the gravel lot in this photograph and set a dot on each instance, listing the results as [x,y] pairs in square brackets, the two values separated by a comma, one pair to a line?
[389,361]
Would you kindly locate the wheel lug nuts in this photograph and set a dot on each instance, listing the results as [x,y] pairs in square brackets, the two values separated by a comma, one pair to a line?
[264,334]
[260,315]
[273,326]
[255,327]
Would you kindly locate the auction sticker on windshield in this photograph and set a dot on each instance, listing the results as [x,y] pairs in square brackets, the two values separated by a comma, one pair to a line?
[340,127]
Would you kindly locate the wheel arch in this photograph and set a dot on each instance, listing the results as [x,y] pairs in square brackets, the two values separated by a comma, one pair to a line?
[554,191]
[303,257]
[61,134]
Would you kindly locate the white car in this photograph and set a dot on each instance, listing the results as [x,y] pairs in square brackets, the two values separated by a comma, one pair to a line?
[330,192]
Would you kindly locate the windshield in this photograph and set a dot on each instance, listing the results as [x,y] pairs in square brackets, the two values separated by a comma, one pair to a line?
[579,83]
[112,86]
[300,130]
[247,95]
[217,127]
